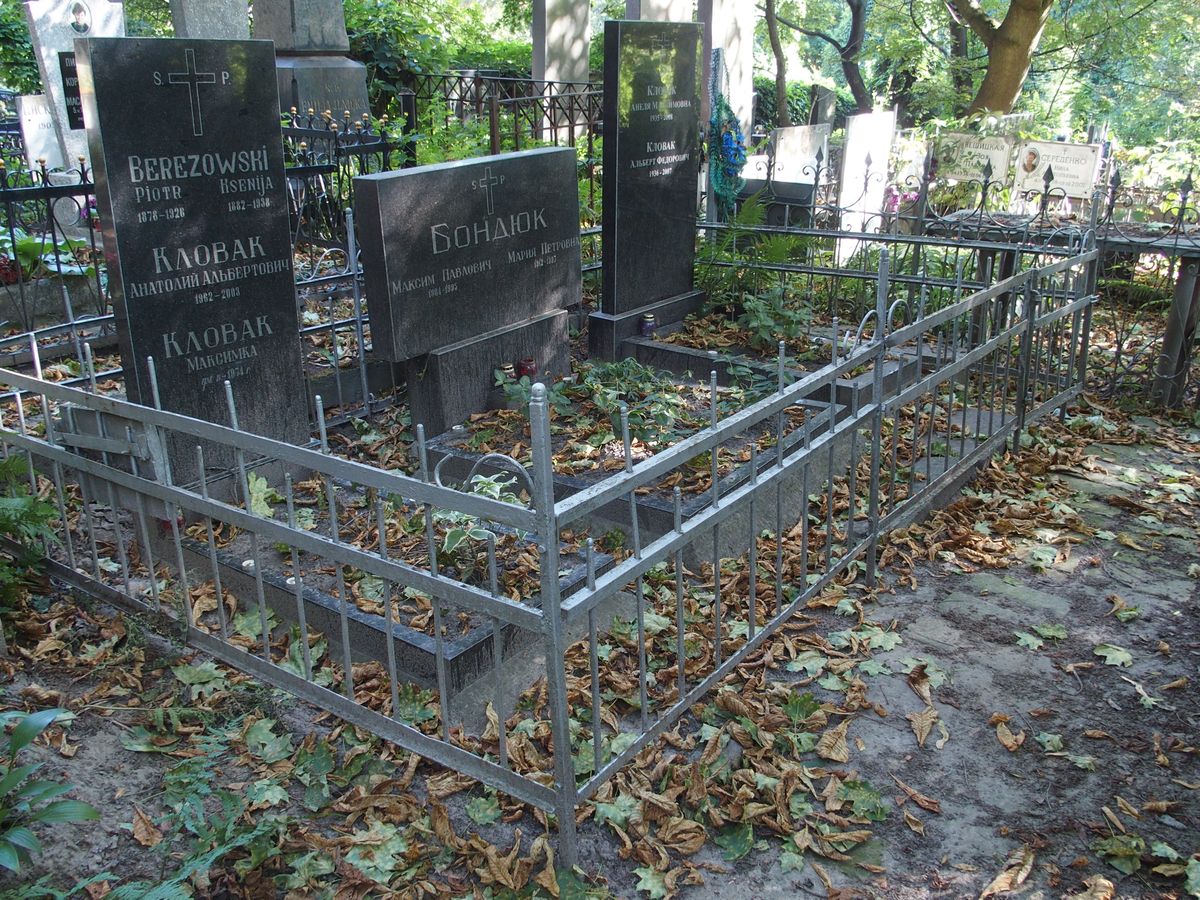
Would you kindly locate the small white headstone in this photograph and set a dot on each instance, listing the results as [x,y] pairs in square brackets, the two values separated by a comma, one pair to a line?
[864,174]
[37,132]
[795,150]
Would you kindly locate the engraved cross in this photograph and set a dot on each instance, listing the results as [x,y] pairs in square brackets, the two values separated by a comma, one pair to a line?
[193,80]
[486,183]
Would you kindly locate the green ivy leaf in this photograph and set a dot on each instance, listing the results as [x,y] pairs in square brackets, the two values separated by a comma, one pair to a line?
[617,812]
[873,667]
[264,744]
[484,810]
[735,840]
[1051,632]
[810,662]
[1087,763]
[1192,884]
[1113,655]
[266,793]
[1028,641]
[1051,743]
[414,703]
[1163,850]
[1128,613]
[656,624]
[1122,851]
[801,706]
[262,495]
[203,679]
[790,861]
[652,882]
[865,800]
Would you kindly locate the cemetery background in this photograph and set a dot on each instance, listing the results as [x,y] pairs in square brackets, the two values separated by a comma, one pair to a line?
[339,318]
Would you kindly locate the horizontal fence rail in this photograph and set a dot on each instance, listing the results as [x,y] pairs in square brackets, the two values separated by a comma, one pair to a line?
[409,604]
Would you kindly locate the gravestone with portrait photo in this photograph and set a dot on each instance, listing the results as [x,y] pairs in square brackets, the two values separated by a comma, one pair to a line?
[1073,168]
[54,26]
[652,73]
[196,232]
[470,265]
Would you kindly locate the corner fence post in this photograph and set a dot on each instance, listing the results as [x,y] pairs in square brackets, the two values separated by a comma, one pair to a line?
[881,343]
[1025,361]
[552,625]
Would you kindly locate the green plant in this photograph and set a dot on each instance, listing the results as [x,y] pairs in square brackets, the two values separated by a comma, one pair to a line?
[25,801]
[40,256]
[25,518]
[769,317]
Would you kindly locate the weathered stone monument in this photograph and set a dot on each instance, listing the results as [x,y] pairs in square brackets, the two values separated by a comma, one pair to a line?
[53,26]
[226,20]
[561,37]
[652,76]
[196,232]
[469,265]
[311,64]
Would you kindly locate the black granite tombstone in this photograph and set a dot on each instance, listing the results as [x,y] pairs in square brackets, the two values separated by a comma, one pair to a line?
[455,250]
[652,75]
[469,265]
[185,139]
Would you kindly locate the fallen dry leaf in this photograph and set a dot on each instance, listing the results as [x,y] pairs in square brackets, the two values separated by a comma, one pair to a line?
[927,803]
[1016,870]
[914,823]
[922,723]
[1098,888]
[919,682]
[1010,741]
[145,832]
[833,746]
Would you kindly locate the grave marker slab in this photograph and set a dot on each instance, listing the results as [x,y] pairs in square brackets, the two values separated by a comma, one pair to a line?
[1075,167]
[196,231]
[864,175]
[38,133]
[964,156]
[652,74]
[455,250]
[312,70]
[794,150]
[226,20]
[53,26]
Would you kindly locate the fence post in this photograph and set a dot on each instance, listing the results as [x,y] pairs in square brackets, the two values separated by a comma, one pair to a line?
[552,626]
[881,342]
[1023,373]
[494,123]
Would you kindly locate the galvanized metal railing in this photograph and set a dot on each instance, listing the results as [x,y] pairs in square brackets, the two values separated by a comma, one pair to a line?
[348,589]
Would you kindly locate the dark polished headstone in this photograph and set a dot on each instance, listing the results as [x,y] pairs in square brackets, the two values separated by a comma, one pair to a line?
[451,383]
[652,74]
[459,249]
[195,221]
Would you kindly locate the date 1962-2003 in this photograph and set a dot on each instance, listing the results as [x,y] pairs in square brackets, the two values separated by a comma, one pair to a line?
[226,293]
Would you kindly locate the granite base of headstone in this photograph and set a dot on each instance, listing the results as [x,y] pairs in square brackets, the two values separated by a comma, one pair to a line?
[452,383]
[608,332]
[196,237]
[652,73]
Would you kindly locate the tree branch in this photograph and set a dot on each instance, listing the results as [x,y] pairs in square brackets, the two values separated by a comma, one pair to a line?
[837,45]
[971,14]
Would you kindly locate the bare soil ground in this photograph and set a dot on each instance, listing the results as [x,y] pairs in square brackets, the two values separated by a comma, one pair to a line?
[1027,725]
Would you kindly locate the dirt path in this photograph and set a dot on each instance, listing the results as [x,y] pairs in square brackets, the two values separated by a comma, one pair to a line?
[1082,655]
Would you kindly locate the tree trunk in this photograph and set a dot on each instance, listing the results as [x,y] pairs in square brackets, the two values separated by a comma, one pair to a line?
[1010,48]
[849,55]
[959,72]
[783,115]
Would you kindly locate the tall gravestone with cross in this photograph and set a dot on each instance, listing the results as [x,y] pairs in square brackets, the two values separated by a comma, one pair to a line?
[196,233]
[311,64]
[469,266]
[54,26]
[652,74]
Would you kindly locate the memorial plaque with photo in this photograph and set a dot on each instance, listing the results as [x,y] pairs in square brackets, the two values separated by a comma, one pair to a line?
[455,250]
[652,73]
[1075,167]
[963,157]
[54,25]
[196,231]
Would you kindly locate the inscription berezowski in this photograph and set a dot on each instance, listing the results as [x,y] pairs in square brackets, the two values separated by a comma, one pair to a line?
[197,165]
[495,228]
